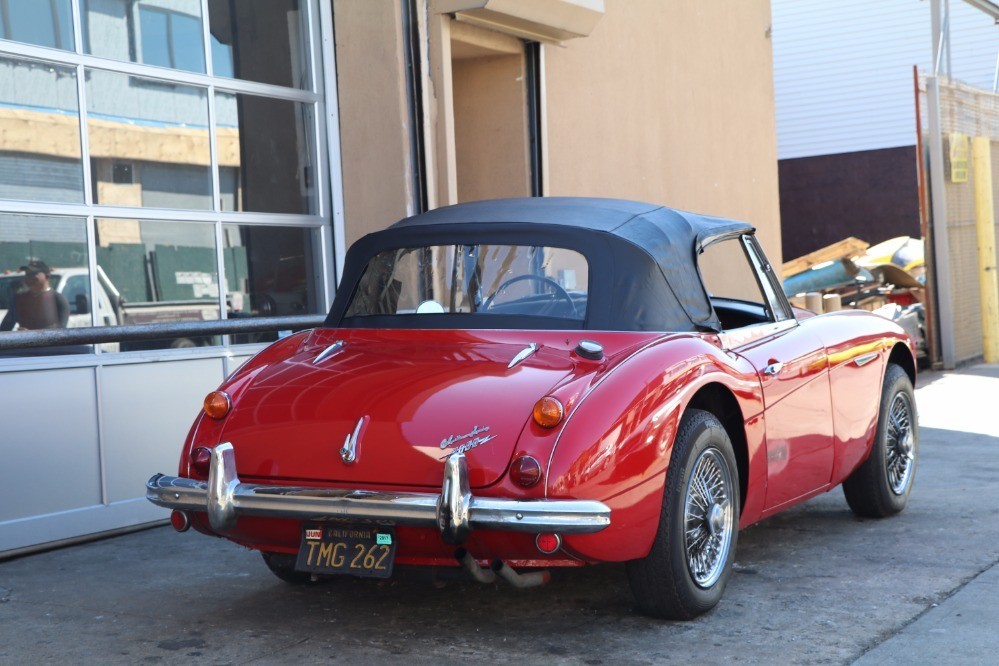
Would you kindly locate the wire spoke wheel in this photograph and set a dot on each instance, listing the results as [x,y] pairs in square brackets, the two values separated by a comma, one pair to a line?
[899,439]
[685,573]
[880,486]
[708,517]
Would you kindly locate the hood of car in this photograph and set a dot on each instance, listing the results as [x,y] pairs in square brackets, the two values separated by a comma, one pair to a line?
[388,407]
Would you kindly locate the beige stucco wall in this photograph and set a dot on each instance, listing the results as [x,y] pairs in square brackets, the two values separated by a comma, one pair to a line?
[672,103]
[374,117]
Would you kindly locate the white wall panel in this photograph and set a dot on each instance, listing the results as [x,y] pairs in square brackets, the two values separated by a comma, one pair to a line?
[234,363]
[148,410]
[49,460]
[27,534]
[843,70]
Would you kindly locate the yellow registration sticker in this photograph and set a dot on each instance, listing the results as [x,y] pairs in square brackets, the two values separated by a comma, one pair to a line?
[352,550]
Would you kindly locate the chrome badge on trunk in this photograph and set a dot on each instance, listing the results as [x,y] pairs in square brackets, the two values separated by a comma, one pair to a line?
[348,452]
[468,441]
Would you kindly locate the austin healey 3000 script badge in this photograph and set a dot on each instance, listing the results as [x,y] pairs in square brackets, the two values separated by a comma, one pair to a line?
[468,441]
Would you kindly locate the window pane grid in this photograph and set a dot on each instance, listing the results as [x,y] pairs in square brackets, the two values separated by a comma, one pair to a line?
[162,69]
[222,84]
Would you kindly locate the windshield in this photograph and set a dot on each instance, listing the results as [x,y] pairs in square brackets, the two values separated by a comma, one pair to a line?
[474,280]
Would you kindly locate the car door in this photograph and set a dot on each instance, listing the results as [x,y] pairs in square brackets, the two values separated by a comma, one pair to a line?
[793,369]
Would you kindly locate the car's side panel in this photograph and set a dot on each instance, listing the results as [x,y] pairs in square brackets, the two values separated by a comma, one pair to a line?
[858,345]
[793,371]
[616,445]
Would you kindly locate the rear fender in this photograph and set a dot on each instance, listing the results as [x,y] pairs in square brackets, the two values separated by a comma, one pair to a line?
[207,432]
[616,444]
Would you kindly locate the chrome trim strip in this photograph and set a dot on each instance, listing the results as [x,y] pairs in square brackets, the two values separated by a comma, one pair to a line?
[334,348]
[456,512]
[524,354]
[738,337]
[864,359]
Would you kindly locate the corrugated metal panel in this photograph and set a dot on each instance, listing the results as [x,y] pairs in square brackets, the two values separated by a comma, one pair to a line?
[843,70]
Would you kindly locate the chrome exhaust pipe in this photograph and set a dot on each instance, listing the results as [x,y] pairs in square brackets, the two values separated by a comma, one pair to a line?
[472,567]
[520,580]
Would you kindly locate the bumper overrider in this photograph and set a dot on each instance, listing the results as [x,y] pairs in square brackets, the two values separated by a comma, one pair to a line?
[455,511]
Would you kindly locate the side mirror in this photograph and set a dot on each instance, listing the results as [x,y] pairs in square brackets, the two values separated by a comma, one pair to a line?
[82,304]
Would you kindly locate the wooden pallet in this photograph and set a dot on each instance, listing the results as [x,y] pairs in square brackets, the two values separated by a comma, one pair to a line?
[844,249]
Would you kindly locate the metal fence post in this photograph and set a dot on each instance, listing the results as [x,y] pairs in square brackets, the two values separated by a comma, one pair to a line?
[938,225]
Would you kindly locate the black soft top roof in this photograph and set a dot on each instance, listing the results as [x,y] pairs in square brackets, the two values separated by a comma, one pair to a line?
[642,257]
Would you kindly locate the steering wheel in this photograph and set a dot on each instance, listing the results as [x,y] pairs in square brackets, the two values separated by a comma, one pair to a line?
[558,293]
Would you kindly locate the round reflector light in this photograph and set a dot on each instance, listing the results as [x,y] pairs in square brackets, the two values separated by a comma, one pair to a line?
[525,471]
[217,404]
[180,521]
[548,543]
[547,412]
[201,460]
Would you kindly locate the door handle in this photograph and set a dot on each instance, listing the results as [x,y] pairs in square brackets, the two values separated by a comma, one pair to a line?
[773,369]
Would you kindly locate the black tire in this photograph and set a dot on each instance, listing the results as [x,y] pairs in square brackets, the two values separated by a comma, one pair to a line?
[880,487]
[663,583]
[282,565]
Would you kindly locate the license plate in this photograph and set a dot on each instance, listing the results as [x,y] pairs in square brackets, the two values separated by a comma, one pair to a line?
[346,549]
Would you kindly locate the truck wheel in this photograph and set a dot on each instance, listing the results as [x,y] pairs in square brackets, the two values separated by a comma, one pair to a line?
[685,573]
[880,486]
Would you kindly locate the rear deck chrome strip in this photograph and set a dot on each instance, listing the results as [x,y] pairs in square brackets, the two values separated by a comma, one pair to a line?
[524,354]
[334,348]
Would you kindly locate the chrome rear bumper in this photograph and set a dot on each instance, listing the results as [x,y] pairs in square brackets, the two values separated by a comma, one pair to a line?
[455,511]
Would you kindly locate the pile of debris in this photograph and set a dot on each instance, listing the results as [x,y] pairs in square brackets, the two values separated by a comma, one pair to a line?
[888,278]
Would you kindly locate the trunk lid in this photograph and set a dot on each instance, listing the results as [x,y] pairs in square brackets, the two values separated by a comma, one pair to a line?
[413,397]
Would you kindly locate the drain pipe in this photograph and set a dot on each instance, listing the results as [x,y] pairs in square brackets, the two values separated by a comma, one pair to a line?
[472,567]
[507,573]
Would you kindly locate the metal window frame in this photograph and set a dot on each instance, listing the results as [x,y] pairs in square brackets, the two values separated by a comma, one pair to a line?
[769,283]
[326,222]
[532,62]
[61,57]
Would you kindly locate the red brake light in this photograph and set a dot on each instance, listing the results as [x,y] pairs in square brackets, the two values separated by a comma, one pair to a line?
[201,460]
[525,471]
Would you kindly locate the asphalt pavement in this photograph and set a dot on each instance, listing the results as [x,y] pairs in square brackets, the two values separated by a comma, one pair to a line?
[814,585]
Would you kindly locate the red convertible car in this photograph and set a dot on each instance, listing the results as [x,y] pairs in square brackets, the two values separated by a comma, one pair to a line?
[510,386]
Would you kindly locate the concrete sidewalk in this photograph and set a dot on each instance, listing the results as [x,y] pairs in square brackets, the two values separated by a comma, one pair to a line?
[963,629]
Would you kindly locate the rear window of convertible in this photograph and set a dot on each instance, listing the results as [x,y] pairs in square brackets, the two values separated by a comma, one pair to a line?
[475,280]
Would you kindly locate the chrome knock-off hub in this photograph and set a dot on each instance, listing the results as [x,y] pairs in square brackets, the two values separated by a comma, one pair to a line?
[716,519]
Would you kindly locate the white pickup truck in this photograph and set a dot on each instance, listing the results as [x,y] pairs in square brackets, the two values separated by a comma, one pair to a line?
[111,308]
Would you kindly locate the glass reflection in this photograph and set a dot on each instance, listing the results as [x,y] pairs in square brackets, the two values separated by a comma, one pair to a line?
[149,142]
[153,32]
[238,50]
[270,272]
[265,149]
[39,132]
[41,22]
[44,277]
[158,272]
